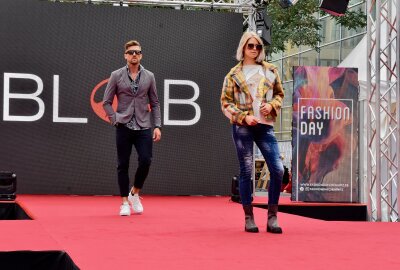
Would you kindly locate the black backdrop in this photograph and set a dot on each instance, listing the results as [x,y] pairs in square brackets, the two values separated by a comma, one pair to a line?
[77,46]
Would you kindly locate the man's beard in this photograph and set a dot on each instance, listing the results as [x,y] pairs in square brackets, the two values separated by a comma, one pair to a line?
[137,62]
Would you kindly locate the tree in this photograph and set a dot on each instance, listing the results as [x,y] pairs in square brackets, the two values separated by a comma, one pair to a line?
[298,24]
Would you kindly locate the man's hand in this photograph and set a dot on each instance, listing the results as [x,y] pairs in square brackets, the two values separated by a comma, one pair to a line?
[251,120]
[265,108]
[156,134]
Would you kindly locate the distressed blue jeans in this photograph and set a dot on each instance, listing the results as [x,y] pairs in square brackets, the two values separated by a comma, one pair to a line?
[263,135]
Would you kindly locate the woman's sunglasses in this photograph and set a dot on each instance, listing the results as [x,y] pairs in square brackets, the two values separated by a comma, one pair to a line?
[251,46]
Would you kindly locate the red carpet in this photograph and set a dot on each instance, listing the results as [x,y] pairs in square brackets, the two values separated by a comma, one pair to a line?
[193,233]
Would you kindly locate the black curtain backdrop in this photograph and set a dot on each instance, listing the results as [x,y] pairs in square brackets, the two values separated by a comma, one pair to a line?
[70,49]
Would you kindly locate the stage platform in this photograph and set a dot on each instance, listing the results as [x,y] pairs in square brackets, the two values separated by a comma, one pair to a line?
[190,232]
[324,211]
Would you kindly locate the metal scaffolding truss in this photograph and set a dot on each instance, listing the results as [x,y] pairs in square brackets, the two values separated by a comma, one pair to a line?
[245,7]
[383,88]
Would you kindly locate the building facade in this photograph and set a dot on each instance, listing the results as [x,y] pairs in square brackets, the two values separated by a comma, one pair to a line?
[337,42]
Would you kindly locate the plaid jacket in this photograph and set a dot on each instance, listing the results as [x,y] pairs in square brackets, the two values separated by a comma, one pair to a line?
[236,100]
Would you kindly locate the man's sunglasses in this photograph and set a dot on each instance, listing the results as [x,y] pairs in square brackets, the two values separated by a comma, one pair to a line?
[251,46]
[132,52]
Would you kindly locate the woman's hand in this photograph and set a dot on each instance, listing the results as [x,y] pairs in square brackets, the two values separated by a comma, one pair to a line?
[265,108]
[251,120]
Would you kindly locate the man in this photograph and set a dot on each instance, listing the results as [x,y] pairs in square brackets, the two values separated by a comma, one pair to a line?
[138,108]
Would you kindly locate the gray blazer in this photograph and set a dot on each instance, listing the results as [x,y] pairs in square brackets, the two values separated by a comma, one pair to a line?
[129,103]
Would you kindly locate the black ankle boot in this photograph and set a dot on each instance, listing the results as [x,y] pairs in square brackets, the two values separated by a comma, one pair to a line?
[272,224]
[249,225]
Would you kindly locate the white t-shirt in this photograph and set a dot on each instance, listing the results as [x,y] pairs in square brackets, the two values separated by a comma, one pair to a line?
[253,75]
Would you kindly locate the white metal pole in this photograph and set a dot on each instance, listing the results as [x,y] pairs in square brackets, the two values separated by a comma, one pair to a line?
[369,115]
[378,179]
[397,50]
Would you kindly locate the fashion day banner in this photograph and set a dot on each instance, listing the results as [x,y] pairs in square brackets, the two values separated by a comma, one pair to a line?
[56,59]
[325,134]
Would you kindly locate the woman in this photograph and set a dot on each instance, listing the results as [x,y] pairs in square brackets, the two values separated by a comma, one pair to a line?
[251,98]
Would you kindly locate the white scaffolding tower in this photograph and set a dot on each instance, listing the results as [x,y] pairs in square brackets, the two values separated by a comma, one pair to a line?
[383,89]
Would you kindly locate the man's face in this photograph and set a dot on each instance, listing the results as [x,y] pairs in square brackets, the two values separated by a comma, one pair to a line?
[133,55]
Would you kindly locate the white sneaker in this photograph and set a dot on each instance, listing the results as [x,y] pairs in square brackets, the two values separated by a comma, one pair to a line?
[137,206]
[125,210]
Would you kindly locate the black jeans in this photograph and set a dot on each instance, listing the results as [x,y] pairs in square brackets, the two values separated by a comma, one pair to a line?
[143,142]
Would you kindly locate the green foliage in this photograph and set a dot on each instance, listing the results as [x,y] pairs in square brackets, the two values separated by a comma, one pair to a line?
[298,25]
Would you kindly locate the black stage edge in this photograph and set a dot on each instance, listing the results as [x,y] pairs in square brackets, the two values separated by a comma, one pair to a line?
[36,260]
[27,259]
[324,211]
[12,211]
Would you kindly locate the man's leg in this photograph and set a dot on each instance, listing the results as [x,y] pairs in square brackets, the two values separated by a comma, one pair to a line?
[124,149]
[144,147]
[143,142]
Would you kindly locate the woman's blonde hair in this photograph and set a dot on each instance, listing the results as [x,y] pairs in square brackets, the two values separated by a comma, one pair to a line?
[243,42]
